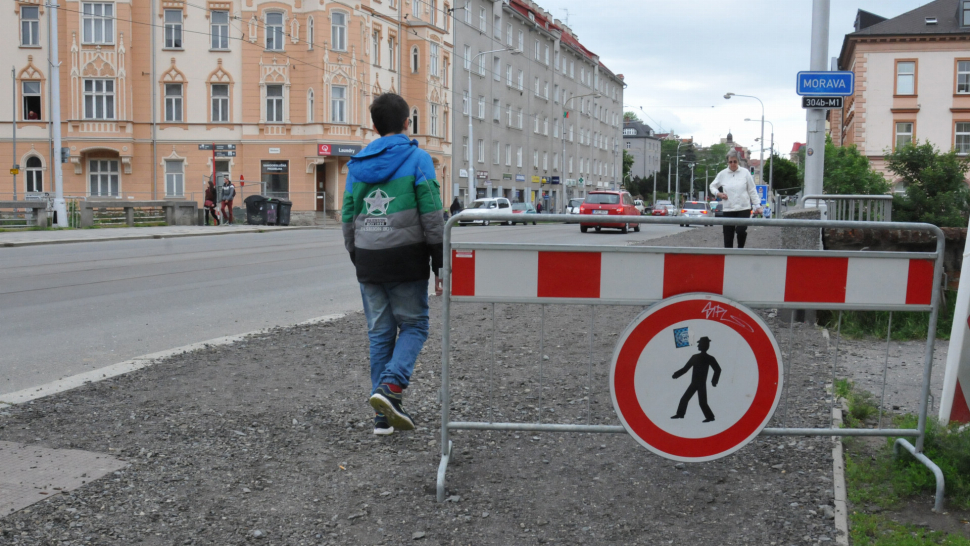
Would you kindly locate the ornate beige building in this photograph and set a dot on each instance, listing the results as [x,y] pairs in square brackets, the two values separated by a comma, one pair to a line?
[287,83]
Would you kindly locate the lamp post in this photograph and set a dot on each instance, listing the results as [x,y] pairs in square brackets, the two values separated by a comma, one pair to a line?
[771,156]
[677,188]
[691,165]
[562,135]
[471,130]
[761,167]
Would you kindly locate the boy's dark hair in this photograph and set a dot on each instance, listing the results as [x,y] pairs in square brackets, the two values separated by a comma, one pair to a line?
[389,111]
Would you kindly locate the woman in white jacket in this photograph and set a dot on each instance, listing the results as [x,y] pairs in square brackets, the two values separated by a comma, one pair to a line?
[735,187]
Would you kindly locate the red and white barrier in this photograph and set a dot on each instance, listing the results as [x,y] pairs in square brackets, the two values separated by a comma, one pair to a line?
[521,275]
[954,404]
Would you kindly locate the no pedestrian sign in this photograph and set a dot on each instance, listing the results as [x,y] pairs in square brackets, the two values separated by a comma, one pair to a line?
[696,377]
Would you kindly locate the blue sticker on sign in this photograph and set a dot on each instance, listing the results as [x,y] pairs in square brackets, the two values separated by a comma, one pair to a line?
[681,338]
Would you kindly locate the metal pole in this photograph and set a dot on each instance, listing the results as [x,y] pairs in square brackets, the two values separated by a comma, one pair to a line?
[471,139]
[771,167]
[761,163]
[60,206]
[13,123]
[677,189]
[815,160]
[670,168]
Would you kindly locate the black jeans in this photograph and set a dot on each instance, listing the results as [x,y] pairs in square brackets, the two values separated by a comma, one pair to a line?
[742,231]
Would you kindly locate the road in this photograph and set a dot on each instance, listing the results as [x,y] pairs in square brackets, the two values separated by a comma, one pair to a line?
[70,308]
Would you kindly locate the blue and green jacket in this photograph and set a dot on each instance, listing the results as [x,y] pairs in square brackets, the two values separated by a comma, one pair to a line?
[392,214]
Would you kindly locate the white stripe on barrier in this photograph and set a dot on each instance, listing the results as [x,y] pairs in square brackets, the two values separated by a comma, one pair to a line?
[506,273]
[755,279]
[861,285]
[618,268]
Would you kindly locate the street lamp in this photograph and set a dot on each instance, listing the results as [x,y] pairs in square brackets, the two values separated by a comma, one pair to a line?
[761,167]
[471,130]
[691,165]
[562,135]
[771,156]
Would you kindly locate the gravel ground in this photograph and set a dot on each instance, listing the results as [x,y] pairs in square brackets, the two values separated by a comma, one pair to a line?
[269,441]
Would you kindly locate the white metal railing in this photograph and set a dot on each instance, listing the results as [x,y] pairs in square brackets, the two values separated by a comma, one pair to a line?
[854,208]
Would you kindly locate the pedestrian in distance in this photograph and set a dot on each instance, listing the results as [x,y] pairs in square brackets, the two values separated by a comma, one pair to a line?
[736,188]
[538,207]
[210,203]
[701,364]
[455,206]
[228,193]
[393,226]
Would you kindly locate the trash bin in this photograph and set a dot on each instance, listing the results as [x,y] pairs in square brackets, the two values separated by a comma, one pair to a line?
[256,213]
[283,214]
[272,211]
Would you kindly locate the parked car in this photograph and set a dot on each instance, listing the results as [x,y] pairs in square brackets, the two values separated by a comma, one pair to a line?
[523,208]
[667,206]
[639,205]
[602,204]
[573,206]
[490,204]
[694,209]
[717,208]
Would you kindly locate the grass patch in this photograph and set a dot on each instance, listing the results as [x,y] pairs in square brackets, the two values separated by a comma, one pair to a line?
[878,530]
[906,326]
[862,404]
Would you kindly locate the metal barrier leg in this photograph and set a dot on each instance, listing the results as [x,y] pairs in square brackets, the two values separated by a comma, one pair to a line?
[542,341]
[835,358]
[885,369]
[491,368]
[940,482]
[791,349]
[589,369]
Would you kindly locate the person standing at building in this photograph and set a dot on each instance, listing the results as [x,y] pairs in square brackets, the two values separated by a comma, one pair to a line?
[228,193]
[538,207]
[210,203]
[393,226]
[735,187]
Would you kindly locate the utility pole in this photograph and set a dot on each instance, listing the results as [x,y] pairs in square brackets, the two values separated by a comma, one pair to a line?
[670,168]
[15,169]
[815,155]
[60,206]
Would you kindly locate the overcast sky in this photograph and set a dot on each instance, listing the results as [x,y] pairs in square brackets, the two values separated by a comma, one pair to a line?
[680,57]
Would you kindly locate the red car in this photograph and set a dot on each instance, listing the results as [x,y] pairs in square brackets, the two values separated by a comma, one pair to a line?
[602,204]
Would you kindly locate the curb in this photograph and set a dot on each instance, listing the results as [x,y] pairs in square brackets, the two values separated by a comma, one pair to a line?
[67,383]
[838,479]
[15,244]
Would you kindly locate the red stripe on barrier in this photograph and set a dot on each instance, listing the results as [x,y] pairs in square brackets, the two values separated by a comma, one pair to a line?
[919,285]
[462,272]
[816,279]
[960,412]
[684,273]
[569,275]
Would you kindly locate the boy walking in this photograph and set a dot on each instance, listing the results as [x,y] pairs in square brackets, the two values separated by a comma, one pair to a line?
[393,226]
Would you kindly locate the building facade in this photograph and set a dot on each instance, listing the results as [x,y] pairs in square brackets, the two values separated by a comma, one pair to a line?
[521,146]
[640,142]
[282,87]
[912,81]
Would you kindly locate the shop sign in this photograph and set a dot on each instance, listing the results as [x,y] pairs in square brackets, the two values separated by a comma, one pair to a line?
[554,180]
[536,180]
[274,150]
[481,175]
[276,166]
[462,173]
[338,150]
[520,178]
[506,176]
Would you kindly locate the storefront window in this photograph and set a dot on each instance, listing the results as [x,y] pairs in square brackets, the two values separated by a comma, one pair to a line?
[276,179]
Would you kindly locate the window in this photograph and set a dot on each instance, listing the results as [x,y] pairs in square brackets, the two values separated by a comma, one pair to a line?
[29,26]
[274,103]
[173,29]
[338,31]
[416,8]
[555,129]
[570,164]
[311,33]
[962,140]
[546,55]
[391,52]
[32,102]
[496,152]
[508,114]
[508,75]
[518,157]
[467,11]
[99,99]
[555,94]
[465,99]
[481,65]
[508,155]
[545,90]
[521,42]
[496,69]
[963,76]
[173,102]
[338,104]
[519,119]
[557,60]
[414,59]
[34,175]
[535,124]
[555,162]
[537,87]
[376,45]
[174,178]
[904,133]
[965,19]
[570,133]
[545,126]
[468,57]
[905,77]
[97,21]
[545,161]
[219,29]
[521,80]
[537,50]
[414,121]
[572,69]
[220,103]
[103,178]
[497,27]
[274,31]
[496,110]
[508,35]
[434,120]
[481,150]
[434,59]
[481,107]
[464,148]
[482,19]
[433,12]
[535,159]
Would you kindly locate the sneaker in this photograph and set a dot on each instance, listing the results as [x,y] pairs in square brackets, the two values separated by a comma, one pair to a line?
[387,402]
[381,426]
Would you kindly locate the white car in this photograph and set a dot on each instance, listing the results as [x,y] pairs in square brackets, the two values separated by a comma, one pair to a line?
[639,205]
[479,206]
[573,206]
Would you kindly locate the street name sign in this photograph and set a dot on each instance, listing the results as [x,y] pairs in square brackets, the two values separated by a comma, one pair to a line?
[696,377]
[217,147]
[225,153]
[822,103]
[826,83]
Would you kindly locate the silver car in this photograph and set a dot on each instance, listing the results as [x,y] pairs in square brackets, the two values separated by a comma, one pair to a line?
[694,209]
[573,206]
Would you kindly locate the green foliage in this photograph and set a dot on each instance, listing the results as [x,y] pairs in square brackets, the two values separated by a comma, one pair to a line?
[842,388]
[906,326]
[862,405]
[631,116]
[847,172]
[786,178]
[936,191]
[878,530]
[627,165]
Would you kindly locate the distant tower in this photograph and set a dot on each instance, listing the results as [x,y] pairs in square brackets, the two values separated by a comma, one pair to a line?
[730,137]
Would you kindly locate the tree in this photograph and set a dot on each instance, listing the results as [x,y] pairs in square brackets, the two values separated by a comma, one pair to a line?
[631,116]
[627,165]
[786,178]
[936,190]
[848,172]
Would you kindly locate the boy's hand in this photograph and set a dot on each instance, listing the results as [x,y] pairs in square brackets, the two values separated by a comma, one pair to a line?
[439,286]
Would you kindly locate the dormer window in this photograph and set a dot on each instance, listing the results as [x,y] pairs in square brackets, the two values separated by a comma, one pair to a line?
[931,20]
[532,16]
[965,14]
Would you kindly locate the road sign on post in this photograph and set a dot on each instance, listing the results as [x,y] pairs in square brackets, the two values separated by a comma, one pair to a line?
[822,103]
[826,83]
[763,193]
[696,377]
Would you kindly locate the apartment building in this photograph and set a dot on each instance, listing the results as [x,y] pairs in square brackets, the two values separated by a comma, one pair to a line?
[546,114]
[281,87]
[912,75]
[640,141]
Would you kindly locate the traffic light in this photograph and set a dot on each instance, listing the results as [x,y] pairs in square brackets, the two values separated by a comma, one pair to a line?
[752,171]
